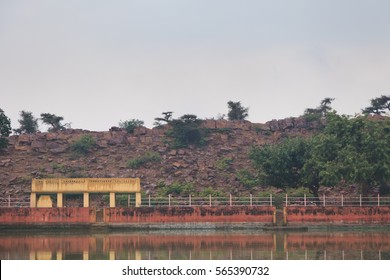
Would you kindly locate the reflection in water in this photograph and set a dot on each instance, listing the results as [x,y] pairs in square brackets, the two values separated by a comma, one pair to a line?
[168,245]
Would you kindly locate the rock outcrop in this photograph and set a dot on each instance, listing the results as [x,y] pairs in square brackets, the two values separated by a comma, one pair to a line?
[49,155]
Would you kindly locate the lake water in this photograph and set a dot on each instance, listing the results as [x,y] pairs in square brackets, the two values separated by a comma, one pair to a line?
[197,245]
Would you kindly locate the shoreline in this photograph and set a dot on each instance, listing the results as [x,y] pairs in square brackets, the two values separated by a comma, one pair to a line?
[107,228]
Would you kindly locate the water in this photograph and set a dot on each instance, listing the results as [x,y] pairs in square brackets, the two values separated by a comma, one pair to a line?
[198,245]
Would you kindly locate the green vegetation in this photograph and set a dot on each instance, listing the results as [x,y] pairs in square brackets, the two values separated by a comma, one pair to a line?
[186,131]
[224,163]
[149,156]
[69,171]
[167,117]
[351,150]
[54,121]
[28,124]
[5,130]
[130,125]
[83,145]
[379,106]
[279,165]
[176,188]
[237,111]
[247,178]
[316,114]
[210,191]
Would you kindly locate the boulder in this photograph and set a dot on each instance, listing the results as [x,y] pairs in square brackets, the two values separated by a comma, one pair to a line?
[5,162]
[24,139]
[38,145]
[273,125]
[59,150]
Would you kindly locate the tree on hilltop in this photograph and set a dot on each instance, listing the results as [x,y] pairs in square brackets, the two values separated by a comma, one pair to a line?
[237,111]
[130,125]
[320,111]
[28,123]
[378,106]
[167,118]
[54,121]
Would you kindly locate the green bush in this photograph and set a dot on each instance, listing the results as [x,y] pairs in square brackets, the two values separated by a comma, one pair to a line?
[130,125]
[224,163]
[145,158]
[299,192]
[210,191]
[247,178]
[83,145]
[179,189]
[186,131]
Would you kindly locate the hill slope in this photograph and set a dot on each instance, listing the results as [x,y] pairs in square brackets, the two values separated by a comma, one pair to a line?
[216,166]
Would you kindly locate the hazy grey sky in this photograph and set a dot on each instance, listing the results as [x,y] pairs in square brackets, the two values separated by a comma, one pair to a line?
[97,62]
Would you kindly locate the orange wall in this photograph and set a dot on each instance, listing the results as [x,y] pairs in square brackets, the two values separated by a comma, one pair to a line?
[263,214]
[47,215]
[338,215]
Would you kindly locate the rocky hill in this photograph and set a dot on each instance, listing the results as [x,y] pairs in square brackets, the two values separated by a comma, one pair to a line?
[215,165]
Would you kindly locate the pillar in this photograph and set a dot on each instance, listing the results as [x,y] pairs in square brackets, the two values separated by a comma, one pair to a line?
[60,202]
[137,199]
[85,255]
[33,200]
[86,199]
[59,255]
[112,200]
[112,255]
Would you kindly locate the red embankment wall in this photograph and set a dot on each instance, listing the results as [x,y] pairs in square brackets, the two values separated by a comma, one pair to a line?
[47,215]
[337,215]
[260,214]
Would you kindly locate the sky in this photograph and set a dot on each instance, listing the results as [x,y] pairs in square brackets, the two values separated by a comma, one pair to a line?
[98,62]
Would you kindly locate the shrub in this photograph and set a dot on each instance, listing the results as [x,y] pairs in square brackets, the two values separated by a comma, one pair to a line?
[180,189]
[210,191]
[83,145]
[247,178]
[130,125]
[224,163]
[141,160]
[186,131]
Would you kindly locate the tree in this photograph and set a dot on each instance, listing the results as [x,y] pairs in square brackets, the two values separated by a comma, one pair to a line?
[130,125]
[237,111]
[28,124]
[167,118]
[281,165]
[350,150]
[186,131]
[5,129]
[378,106]
[361,155]
[321,111]
[54,121]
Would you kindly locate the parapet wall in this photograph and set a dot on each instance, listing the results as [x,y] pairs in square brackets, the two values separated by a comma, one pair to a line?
[47,215]
[337,215]
[258,214]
